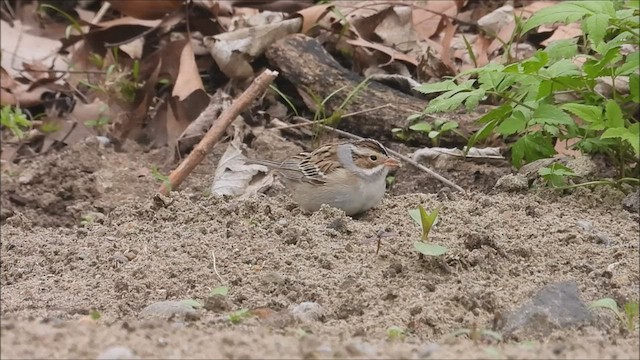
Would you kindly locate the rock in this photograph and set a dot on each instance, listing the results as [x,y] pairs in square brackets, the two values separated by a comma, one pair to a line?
[360,349]
[312,348]
[26,177]
[512,183]
[554,306]
[584,225]
[427,350]
[167,309]
[116,352]
[530,170]
[582,166]
[631,202]
[308,312]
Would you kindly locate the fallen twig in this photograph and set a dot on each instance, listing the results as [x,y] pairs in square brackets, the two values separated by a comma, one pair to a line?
[394,153]
[257,87]
[292,126]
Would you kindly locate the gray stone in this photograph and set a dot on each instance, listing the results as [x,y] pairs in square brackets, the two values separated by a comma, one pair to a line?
[166,309]
[512,183]
[357,348]
[631,202]
[308,312]
[116,353]
[584,225]
[530,170]
[553,307]
[582,166]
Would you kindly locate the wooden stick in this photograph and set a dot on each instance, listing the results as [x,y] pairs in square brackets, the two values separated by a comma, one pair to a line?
[257,87]
[394,153]
[293,126]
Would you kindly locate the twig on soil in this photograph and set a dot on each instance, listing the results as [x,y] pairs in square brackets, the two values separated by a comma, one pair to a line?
[213,255]
[394,153]
[257,87]
[342,117]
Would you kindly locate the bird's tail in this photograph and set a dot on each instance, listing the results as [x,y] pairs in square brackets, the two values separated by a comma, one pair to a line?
[267,163]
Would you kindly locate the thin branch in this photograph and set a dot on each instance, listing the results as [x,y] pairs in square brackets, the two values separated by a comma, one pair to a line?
[394,153]
[292,126]
[257,87]
[213,255]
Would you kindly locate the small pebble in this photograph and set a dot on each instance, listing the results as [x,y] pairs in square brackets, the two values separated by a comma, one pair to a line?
[115,353]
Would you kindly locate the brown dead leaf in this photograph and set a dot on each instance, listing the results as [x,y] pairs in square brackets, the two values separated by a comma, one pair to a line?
[427,16]
[562,32]
[140,9]
[449,31]
[312,15]
[394,54]
[19,47]
[188,79]
[233,51]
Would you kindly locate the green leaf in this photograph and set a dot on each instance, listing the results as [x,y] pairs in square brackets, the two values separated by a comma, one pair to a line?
[596,27]
[94,315]
[421,126]
[237,317]
[437,87]
[429,249]
[562,49]
[614,114]
[634,87]
[426,220]
[588,113]
[567,12]
[550,114]
[415,215]
[449,125]
[562,67]
[597,68]
[513,124]
[193,303]
[531,147]
[630,135]
[606,303]
[555,174]
[220,290]
[630,65]
[442,103]
[395,333]
[535,63]
[433,134]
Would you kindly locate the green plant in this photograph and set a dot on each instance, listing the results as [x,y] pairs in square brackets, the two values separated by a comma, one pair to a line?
[395,333]
[164,179]
[426,221]
[118,81]
[49,127]
[531,108]
[94,315]
[627,316]
[556,174]
[98,123]
[193,303]
[14,120]
[476,334]
[237,317]
[220,290]
[434,130]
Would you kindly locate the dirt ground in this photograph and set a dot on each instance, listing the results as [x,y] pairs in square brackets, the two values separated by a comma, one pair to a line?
[81,232]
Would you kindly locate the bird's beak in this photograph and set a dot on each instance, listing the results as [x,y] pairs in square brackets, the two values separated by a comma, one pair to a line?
[392,163]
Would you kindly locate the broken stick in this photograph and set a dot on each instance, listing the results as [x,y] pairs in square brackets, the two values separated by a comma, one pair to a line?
[257,87]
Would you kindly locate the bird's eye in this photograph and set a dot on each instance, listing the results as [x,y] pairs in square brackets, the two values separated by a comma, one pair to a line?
[373,158]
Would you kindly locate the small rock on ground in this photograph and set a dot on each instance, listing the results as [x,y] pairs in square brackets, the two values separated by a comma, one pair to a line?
[166,309]
[116,353]
[631,202]
[308,312]
[512,183]
[554,306]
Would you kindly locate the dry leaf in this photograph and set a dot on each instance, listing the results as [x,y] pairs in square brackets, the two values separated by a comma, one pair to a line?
[562,32]
[233,51]
[233,176]
[427,16]
[312,15]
